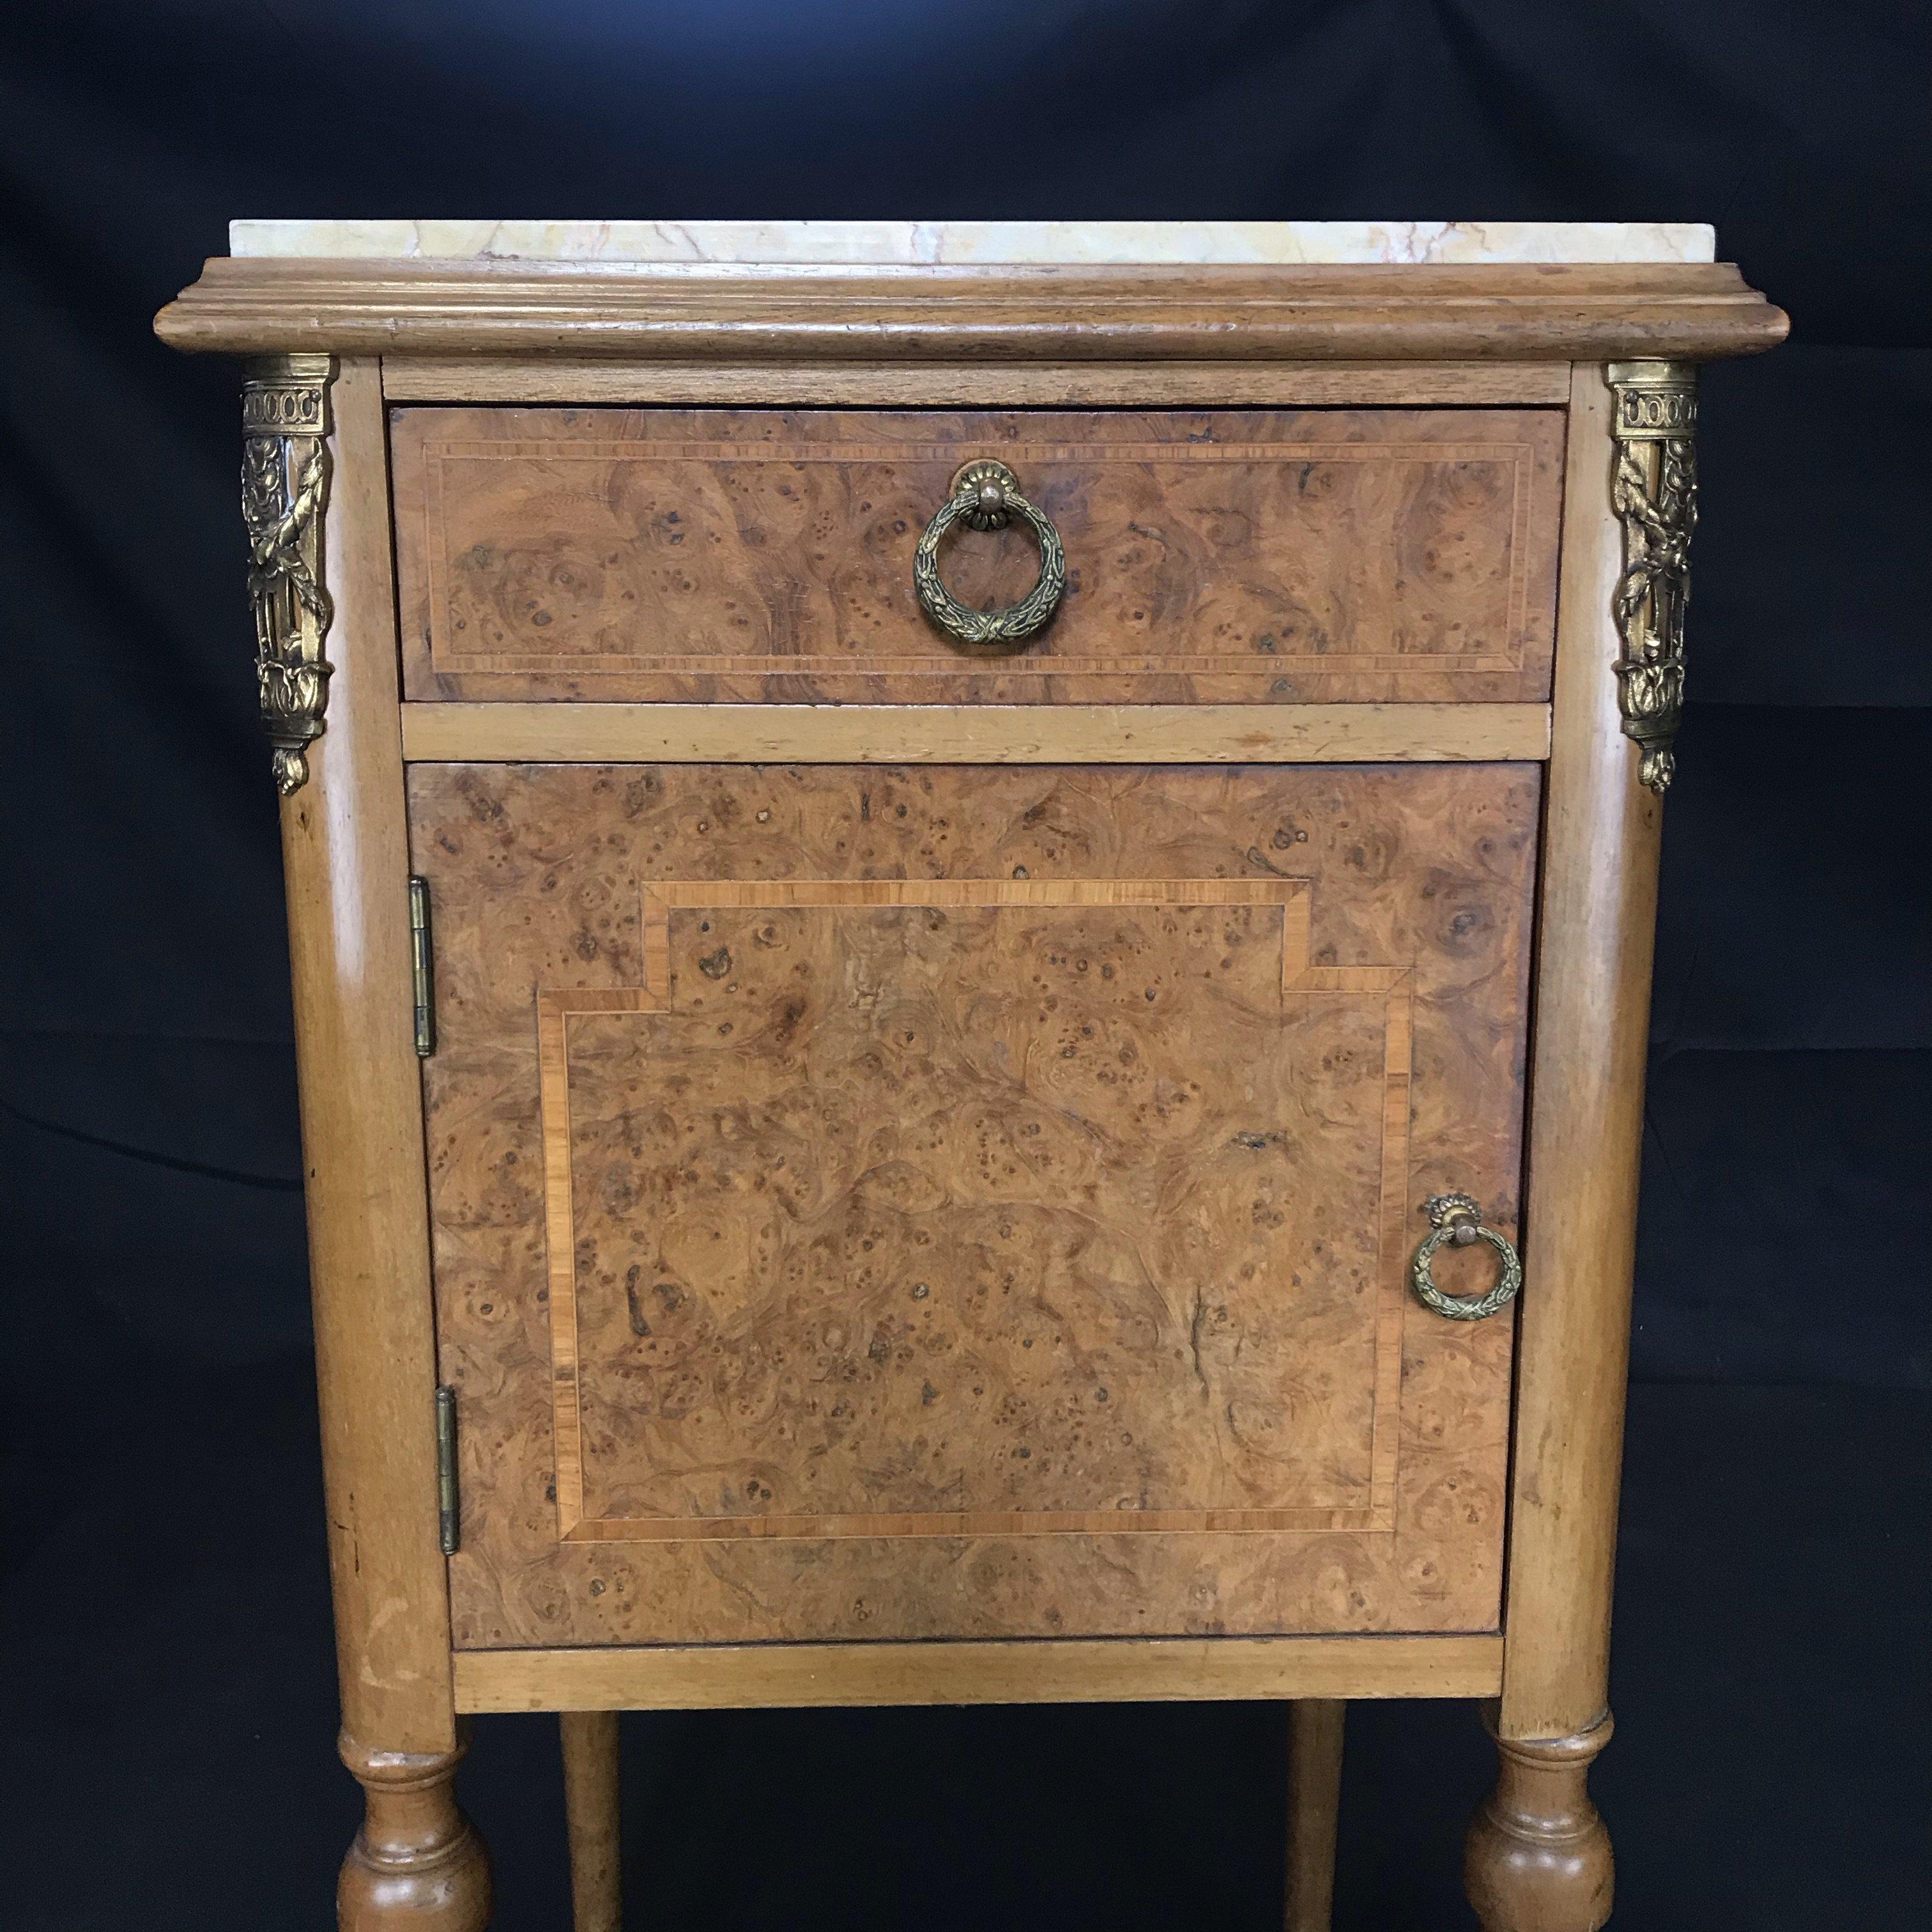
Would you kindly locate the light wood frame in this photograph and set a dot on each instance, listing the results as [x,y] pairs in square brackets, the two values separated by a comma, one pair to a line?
[1562,1529]
[1077,1670]
[1164,384]
[783,317]
[968,734]
[1441,338]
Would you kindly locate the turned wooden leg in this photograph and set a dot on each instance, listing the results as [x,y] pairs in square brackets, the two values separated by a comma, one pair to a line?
[1314,1803]
[417,1864]
[592,1817]
[1538,1857]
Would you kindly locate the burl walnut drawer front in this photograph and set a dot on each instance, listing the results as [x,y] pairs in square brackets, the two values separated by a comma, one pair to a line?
[971,1202]
[1222,556]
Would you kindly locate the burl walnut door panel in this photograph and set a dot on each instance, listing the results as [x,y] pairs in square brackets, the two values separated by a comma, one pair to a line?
[971,1202]
[1229,556]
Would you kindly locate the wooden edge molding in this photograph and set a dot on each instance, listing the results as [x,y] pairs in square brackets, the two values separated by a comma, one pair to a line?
[967,734]
[345,847]
[678,312]
[1056,1671]
[483,379]
[1585,1129]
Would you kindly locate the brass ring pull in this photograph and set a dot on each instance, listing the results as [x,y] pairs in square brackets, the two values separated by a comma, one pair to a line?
[1455,1218]
[985,497]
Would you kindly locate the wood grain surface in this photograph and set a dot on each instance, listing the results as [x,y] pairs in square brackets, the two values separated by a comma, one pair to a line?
[987,1121]
[1600,843]
[1241,557]
[973,734]
[593,1819]
[969,1202]
[555,378]
[1060,1670]
[695,312]
[1317,1728]
[1537,1858]
[345,853]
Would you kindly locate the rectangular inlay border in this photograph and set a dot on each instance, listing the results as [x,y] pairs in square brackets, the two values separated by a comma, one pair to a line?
[941,662]
[555,1010]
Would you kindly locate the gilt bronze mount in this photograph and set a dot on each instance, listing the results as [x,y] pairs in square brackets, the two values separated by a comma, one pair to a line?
[1654,489]
[284,492]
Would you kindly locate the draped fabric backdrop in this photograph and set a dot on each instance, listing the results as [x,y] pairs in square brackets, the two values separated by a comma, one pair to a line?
[166,1707]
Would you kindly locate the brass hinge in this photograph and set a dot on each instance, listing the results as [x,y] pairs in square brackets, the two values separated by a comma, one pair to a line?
[448,1505]
[422,972]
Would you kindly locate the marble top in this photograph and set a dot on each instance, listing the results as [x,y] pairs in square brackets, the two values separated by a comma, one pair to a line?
[1034,243]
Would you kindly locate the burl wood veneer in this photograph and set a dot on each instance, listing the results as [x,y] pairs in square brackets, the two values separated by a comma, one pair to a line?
[970,1202]
[1222,555]
[849,1163]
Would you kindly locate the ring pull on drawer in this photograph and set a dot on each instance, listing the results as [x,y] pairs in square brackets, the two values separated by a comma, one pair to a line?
[986,496]
[1457,1220]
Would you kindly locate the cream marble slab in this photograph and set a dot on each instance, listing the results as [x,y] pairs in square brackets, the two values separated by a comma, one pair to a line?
[831,243]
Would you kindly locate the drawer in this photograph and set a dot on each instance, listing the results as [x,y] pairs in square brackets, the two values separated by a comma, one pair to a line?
[1217,557]
[971,1202]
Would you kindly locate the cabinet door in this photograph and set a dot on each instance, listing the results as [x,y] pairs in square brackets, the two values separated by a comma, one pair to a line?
[952,1200]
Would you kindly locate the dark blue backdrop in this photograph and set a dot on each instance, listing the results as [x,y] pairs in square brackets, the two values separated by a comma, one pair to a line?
[168,1708]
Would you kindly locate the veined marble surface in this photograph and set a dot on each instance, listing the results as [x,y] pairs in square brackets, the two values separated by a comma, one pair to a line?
[833,243]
